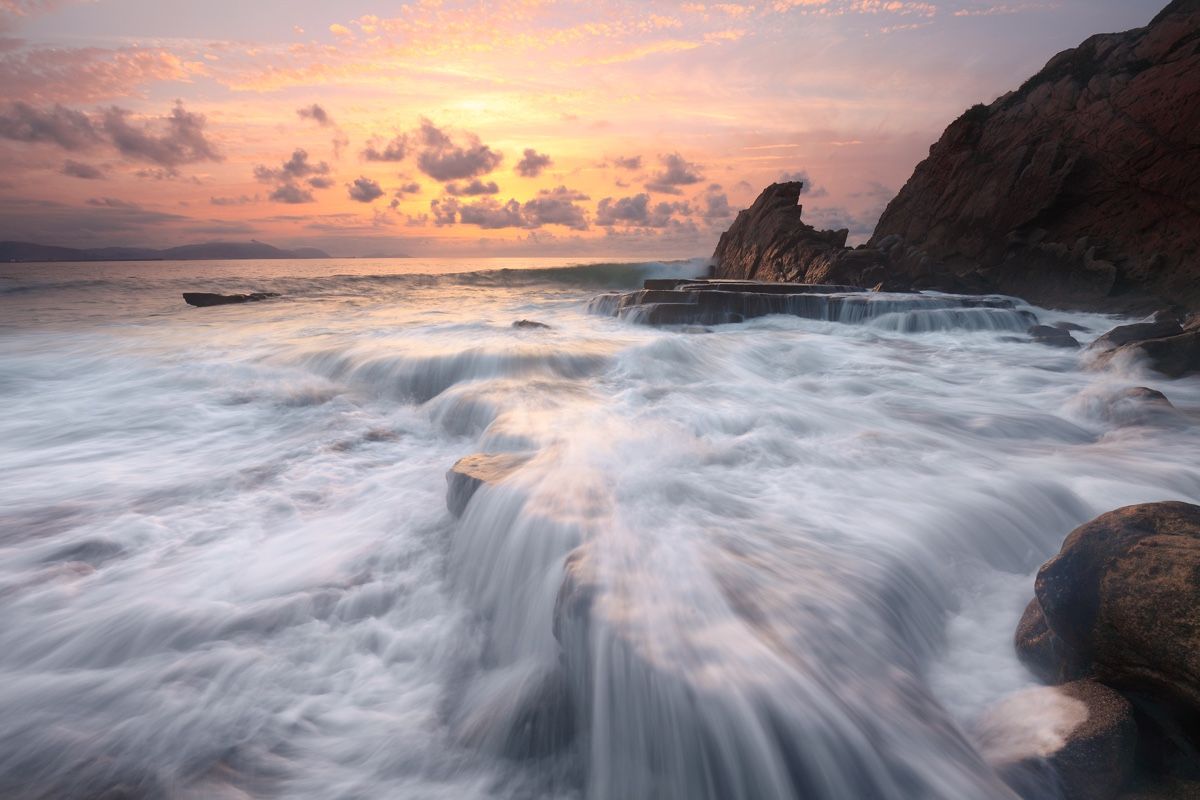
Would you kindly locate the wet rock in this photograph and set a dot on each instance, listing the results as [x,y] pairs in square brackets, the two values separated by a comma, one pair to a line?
[1144,394]
[1053,336]
[205,299]
[1173,356]
[1074,742]
[529,324]
[1071,326]
[471,472]
[1077,189]
[1122,597]
[1040,649]
[1162,324]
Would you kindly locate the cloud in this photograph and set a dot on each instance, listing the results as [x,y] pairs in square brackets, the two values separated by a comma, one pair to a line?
[636,211]
[296,168]
[475,187]
[553,207]
[532,163]
[677,171]
[69,129]
[77,169]
[716,205]
[365,190]
[316,113]
[409,187]
[442,159]
[292,194]
[182,140]
[627,162]
[394,150]
[233,201]
[87,74]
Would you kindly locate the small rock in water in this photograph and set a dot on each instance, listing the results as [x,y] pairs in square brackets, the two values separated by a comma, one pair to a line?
[1053,336]
[205,299]
[529,323]
[471,472]
[1071,326]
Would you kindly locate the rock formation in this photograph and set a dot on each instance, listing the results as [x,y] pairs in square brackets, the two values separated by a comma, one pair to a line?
[471,472]
[1163,343]
[770,242]
[206,299]
[1081,188]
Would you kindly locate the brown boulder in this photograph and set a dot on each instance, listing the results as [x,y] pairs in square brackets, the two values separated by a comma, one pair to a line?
[1074,742]
[1163,324]
[1122,601]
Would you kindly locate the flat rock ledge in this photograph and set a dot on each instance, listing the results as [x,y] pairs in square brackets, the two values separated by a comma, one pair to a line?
[682,301]
[471,472]
[206,299]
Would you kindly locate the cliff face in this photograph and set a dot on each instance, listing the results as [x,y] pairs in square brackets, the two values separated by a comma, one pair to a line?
[1080,188]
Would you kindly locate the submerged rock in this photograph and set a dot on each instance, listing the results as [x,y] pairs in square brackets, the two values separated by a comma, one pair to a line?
[530,324]
[205,299]
[1120,603]
[471,472]
[1071,742]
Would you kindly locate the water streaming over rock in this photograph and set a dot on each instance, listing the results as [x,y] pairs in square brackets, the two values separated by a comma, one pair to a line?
[777,559]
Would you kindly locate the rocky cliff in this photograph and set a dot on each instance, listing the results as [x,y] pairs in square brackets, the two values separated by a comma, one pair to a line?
[1081,188]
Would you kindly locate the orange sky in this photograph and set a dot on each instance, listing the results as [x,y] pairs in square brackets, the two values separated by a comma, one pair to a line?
[502,128]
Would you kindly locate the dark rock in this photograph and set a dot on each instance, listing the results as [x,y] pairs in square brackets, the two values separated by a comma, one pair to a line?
[1071,326]
[1052,336]
[1122,598]
[1173,356]
[1163,324]
[530,324]
[205,299]
[471,472]
[1074,742]
[770,242]
[1079,188]
[1040,649]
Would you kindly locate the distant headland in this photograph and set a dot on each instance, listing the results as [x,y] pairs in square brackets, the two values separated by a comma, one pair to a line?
[28,251]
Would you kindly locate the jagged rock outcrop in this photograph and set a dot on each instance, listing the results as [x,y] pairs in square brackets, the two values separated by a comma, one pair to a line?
[770,242]
[1081,188]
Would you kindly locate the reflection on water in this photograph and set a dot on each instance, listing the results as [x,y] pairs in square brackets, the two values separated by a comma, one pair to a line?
[778,559]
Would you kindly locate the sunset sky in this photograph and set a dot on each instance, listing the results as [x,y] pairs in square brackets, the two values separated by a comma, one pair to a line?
[523,127]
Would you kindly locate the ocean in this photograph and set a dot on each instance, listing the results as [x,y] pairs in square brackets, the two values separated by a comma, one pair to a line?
[777,559]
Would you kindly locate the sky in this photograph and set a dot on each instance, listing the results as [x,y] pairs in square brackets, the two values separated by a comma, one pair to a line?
[507,128]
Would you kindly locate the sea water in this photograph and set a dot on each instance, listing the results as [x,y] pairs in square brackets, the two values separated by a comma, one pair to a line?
[776,559]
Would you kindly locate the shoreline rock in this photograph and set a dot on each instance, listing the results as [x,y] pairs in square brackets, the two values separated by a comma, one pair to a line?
[207,299]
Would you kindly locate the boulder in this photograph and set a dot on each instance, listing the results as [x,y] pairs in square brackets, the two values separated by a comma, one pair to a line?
[1163,323]
[1053,336]
[1040,649]
[1121,603]
[471,472]
[530,324]
[1070,742]
[1079,188]
[1173,356]
[205,299]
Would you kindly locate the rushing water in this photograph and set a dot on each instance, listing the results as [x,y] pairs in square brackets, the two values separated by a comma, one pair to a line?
[769,560]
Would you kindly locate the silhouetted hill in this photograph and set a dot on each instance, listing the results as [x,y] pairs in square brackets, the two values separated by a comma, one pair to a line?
[28,251]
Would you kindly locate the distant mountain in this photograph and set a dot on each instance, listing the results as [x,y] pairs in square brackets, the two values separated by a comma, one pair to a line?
[28,251]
